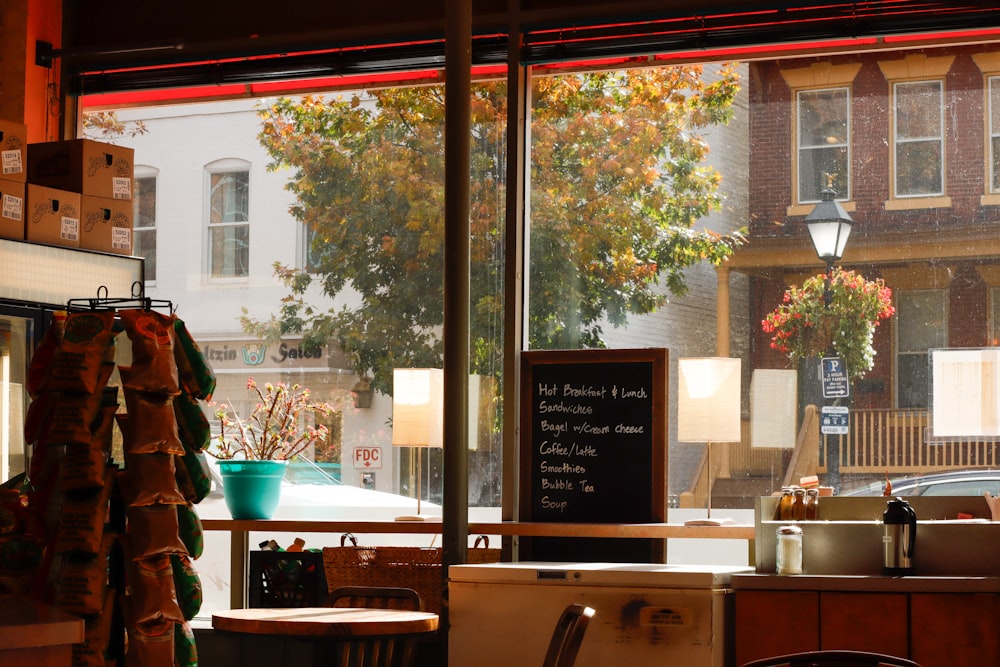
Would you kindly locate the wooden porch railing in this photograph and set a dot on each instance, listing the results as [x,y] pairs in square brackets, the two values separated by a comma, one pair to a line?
[878,442]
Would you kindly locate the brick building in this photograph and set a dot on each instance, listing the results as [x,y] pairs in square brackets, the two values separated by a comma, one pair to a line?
[912,144]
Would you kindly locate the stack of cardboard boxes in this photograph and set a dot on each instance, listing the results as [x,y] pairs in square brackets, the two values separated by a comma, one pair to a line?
[75,193]
[13,147]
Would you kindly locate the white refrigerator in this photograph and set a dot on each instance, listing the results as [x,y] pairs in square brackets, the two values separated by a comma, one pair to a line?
[503,614]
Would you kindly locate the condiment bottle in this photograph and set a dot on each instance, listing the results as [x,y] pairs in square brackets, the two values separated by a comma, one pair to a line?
[297,544]
[812,504]
[784,511]
[788,550]
[799,505]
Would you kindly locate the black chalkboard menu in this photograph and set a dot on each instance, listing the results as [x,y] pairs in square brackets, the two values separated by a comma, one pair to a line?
[593,449]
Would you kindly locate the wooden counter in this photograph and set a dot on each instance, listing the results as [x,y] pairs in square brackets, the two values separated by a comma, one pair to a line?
[36,635]
[240,530]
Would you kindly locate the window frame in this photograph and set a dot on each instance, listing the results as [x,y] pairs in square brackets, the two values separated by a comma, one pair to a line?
[920,350]
[145,173]
[897,142]
[221,167]
[800,147]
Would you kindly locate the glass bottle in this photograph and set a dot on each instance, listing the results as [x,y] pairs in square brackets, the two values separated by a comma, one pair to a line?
[799,505]
[784,510]
[812,504]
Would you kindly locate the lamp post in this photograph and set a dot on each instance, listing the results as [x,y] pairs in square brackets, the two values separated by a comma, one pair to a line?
[829,228]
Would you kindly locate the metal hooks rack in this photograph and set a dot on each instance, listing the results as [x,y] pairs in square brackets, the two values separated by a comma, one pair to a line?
[102,301]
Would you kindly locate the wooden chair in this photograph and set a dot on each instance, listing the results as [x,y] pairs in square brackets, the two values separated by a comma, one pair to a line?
[833,658]
[377,597]
[376,651]
[567,636]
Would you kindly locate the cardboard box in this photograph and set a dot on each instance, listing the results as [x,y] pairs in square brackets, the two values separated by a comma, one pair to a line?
[84,166]
[11,210]
[53,216]
[106,224]
[13,150]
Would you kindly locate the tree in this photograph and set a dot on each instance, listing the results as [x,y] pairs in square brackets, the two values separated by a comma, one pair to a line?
[105,125]
[618,181]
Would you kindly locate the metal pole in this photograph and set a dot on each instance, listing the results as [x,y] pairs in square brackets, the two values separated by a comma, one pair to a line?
[831,446]
[457,140]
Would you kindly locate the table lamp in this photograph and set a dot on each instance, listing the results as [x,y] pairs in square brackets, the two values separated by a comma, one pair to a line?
[417,416]
[708,404]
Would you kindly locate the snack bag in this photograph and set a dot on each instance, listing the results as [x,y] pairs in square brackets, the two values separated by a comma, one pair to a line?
[195,372]
[79,361]
[153,367]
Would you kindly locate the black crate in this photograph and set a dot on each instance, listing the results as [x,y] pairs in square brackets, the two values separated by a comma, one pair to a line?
[287,579]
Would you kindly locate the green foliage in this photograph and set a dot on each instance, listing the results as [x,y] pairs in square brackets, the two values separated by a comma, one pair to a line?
[618,180]
[805,325]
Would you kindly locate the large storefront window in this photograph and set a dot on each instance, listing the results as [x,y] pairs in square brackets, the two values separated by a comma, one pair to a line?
[664,207]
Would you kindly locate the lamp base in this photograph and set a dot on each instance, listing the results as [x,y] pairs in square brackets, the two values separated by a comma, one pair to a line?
[725,521]
[417,517]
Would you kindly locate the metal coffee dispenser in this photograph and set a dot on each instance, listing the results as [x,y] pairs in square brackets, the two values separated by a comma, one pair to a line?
[899,537]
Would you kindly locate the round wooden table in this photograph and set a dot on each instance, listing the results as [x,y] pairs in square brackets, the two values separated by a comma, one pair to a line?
[326,622]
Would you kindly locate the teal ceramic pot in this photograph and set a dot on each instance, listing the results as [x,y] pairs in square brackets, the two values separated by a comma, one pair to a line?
[252,488]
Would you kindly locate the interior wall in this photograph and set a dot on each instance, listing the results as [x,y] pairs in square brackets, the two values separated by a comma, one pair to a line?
[29,94]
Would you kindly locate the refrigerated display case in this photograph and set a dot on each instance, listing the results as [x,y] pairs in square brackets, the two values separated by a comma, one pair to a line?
[18,327]
[503,614]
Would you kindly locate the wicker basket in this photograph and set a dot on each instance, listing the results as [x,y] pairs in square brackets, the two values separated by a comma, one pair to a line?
[418,568]
[286,579]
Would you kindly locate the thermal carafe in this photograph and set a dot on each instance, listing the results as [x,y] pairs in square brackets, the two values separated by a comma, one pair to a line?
[899,537]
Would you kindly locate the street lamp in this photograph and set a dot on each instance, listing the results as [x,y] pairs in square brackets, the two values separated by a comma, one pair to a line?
[829,227]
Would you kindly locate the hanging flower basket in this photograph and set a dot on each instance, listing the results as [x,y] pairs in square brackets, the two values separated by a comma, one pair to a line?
[805,325]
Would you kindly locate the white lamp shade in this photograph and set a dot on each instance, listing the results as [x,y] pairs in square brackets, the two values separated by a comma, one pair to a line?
[417,407]
[708,399]
[966,388]
[829,238]
[773,400]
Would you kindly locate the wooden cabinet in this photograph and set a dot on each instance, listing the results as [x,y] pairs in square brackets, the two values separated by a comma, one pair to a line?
[955,630]
[864,622]
[774,622]
[933,629]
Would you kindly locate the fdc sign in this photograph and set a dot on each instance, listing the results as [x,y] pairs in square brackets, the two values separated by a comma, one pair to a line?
[367,457]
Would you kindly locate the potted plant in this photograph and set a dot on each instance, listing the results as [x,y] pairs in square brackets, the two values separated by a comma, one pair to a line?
[253,450]
[835,317]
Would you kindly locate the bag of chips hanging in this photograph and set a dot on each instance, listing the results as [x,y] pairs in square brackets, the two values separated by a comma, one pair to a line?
[192,424]
[83,467]
[153,531]
[187,584]
[153,366]
[78,362]
[149,427]
[45,351]
[190,530]
[193,369]
[82,516]
[149,479]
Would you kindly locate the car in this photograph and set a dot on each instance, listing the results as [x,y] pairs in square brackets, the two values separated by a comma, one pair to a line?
[952,483]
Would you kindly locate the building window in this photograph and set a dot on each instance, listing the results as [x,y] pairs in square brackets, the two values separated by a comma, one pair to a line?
[314,251]
[918,139]
[144,222]
[921,325]
[824,132]
[228,223]
[994,148]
